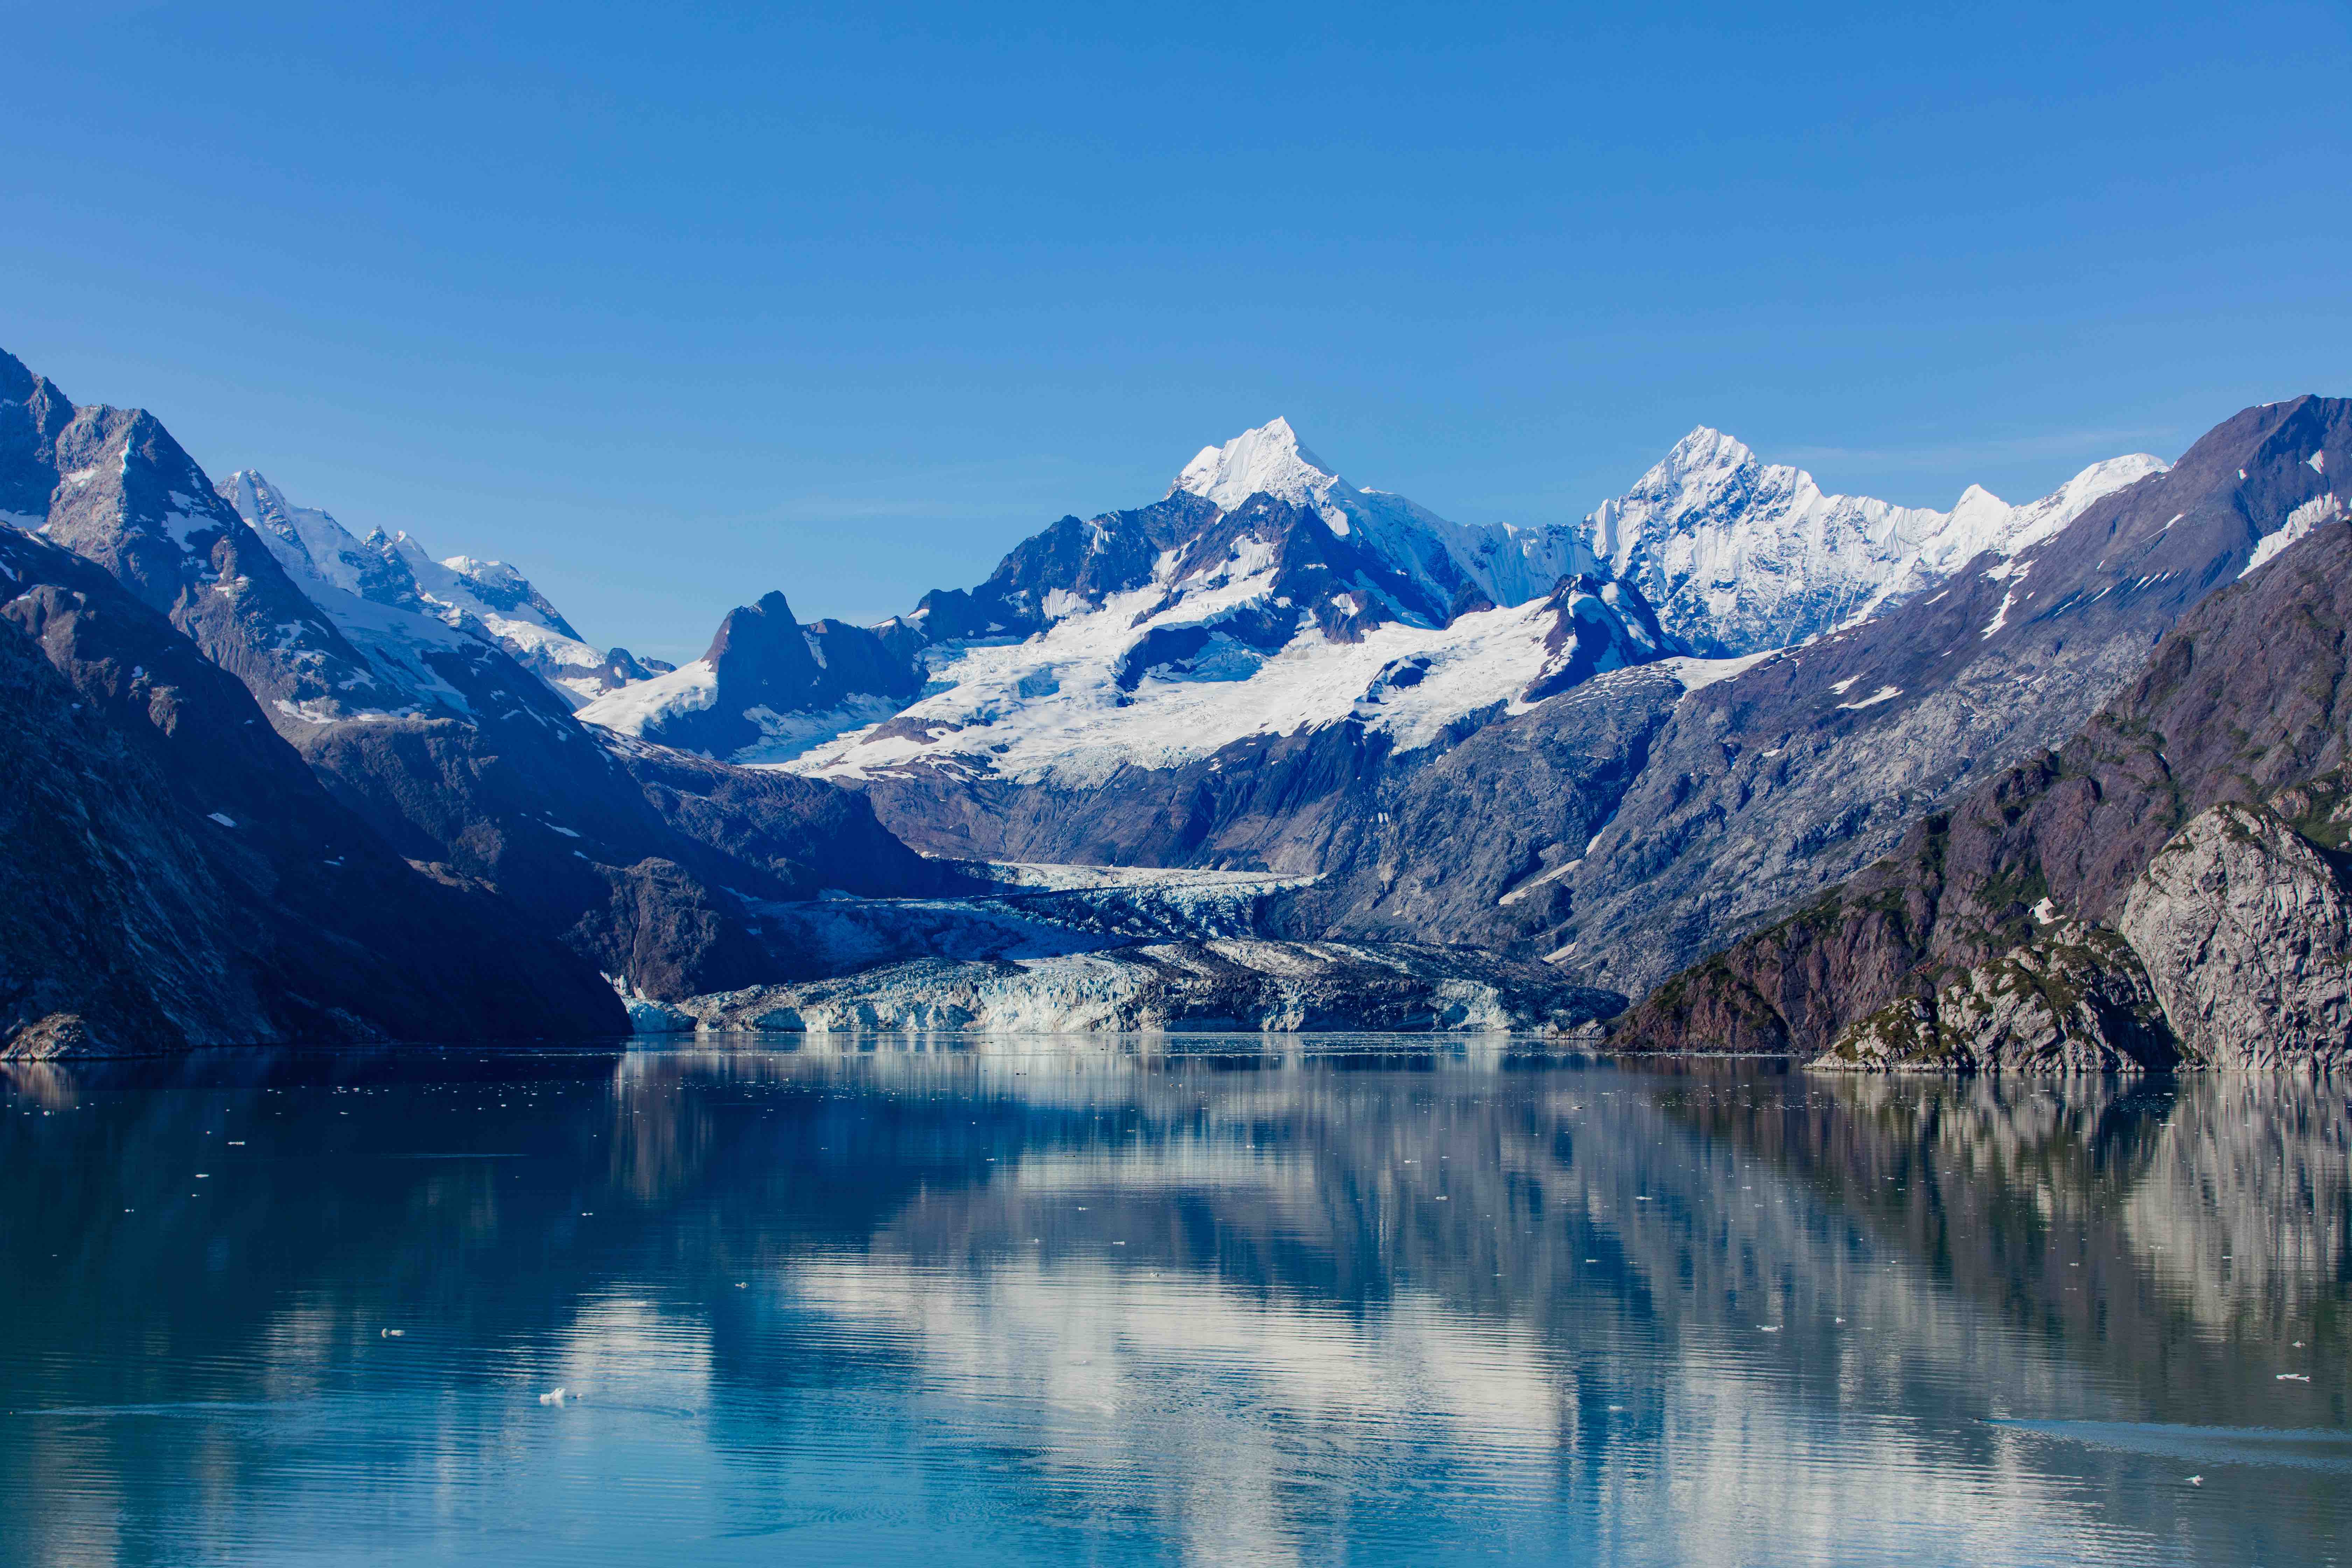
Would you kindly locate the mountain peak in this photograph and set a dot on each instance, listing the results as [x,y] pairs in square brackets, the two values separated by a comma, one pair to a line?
[251,493]
[1269,460]
[1709,448]
[17,379]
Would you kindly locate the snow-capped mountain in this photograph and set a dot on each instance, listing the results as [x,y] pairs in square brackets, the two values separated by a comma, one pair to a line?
[486,600]
[1262,595]
[1267,595]
[1393,729]
[768,688]
[112,486]
[1739,556]
[1455,565]
[1134,684]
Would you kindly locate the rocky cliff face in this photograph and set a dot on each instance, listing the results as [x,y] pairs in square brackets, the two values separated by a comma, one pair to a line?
[2075,999]
[2239,704]
[177,877]
[2246,930]
[387,672]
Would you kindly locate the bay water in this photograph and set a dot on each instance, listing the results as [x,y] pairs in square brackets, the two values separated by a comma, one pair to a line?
[1359,1300]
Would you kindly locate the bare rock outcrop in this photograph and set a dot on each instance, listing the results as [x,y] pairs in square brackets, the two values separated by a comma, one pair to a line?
[175,877]
[2246,930]
[2242,701]
[2075,999]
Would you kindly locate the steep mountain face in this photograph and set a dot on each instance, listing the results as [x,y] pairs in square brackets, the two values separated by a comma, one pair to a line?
[1261,593]
[1129,691]
[177,877]
[1740,558]
[1804,767]
[2243,927]
[765,688]
[2236,713]
[482,601]
[112,486]
[417,720]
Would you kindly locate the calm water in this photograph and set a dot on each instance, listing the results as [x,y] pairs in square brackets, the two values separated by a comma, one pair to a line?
[1107,1305]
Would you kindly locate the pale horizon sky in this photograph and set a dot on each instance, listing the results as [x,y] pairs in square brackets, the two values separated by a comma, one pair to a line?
[671,309]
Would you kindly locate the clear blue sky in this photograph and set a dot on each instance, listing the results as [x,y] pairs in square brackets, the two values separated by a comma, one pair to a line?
[670,310]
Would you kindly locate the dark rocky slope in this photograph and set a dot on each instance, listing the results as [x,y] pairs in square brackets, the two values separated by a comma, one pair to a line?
[176,876]
[638,858]
[443,744]
[1314,802]
[2102,873]
[1626,827]
[1760,789]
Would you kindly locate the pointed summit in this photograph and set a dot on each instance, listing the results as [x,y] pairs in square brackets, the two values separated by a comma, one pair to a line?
[1707,448]
[17,381]
[1268,460]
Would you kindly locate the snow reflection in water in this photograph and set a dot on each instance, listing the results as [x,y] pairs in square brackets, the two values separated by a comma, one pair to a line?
[1227,1304]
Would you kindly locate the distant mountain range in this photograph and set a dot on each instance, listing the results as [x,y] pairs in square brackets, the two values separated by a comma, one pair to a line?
[1265,595]
[1358,736]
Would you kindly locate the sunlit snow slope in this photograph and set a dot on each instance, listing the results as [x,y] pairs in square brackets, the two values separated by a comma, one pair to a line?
[1739,556]
[1267,595]
[395,584]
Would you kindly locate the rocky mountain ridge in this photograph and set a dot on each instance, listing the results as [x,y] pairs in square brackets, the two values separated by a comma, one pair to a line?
[480,600]
[446,751]
[1741,557]
[177,877]
[1471,777]
[1232,593]
[2194,819]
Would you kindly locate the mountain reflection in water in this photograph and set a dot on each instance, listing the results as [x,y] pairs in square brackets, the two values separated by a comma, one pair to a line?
[1235,1303]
